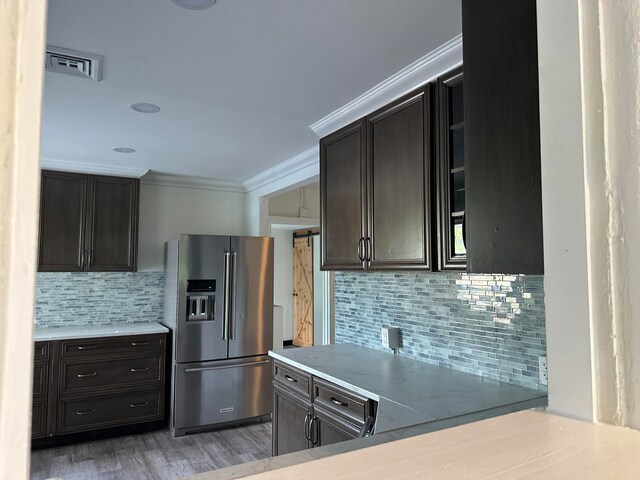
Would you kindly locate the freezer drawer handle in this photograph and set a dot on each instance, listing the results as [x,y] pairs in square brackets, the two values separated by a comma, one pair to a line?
[204,369]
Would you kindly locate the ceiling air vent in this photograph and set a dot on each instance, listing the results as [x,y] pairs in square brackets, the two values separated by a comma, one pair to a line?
[74,63]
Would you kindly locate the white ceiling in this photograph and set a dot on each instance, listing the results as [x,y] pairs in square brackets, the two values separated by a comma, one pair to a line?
[238,84]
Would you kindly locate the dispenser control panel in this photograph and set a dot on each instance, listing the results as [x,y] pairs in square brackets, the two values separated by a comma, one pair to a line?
[201,300]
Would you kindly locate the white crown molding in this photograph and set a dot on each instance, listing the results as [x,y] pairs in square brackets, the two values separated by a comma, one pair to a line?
[421,71]
[184,181]
[91,168]
[307,160]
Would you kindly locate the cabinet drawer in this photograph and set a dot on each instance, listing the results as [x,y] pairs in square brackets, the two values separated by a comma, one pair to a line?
[78,375]
[340,401]
[41,350]
[38,419]
[89,346]
[75,415]
[39,379]
[293,378]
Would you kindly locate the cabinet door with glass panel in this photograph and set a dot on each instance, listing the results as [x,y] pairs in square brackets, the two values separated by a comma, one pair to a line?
[451,171]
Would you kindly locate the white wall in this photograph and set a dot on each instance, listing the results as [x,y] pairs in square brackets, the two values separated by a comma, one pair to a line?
[283,278]
[166,212]
[567,310]
[301,202]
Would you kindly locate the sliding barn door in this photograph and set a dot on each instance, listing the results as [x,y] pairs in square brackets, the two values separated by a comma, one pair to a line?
[303,292]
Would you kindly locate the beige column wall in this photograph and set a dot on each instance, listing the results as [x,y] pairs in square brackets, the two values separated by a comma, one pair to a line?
[22,28]
[618,24]
[589,59]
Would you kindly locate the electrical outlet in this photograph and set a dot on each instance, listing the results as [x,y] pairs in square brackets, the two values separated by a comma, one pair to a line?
[384,337]
[542,370]
[390,337]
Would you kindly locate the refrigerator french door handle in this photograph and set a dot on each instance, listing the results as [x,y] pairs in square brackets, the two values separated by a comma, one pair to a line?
[232,298]
[226,296]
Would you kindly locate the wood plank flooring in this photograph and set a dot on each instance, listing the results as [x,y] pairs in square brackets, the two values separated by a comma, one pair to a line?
[154,456]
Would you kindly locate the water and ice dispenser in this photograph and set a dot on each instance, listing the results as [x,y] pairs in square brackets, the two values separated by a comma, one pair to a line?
[201,300]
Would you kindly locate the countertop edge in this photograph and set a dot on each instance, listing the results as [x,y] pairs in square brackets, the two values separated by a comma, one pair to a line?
[43,334]
[324,376]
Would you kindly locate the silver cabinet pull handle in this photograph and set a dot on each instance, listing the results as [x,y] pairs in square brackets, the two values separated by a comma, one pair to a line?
[290,379]
[338,402]
[313,431]
[140,369]
[86,412]
[139,344]
[368,250]
[136,405]
[307,417]
[83,375]
[87,347]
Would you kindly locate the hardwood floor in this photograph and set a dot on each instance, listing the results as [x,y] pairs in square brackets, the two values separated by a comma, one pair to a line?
[154,456]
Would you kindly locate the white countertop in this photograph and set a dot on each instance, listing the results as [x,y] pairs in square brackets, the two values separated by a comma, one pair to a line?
[91,331]
[409,392]
[527,445]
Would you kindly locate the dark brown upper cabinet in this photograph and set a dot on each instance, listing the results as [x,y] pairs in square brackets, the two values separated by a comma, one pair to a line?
[375,195]
[88,223]
[63,210]
[343,198]
[502,137]
[450,171]
[398,185]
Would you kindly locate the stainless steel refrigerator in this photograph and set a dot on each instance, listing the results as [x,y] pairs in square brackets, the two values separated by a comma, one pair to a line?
[219,306]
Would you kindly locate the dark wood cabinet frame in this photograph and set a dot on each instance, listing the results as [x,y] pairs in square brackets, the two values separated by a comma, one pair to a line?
[50,396]
[83,228]
[447,260]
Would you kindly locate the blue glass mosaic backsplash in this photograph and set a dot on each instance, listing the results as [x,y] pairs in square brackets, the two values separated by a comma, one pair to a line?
[98,298]
[489,325]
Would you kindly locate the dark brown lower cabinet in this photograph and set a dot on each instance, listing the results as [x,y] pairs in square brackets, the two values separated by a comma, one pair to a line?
[330,428]
[92,384]
[324,415]
[291,419]
[40,389]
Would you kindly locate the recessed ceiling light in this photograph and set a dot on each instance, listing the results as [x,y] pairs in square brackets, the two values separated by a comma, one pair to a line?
[144,107]
[123,149]
[194,4]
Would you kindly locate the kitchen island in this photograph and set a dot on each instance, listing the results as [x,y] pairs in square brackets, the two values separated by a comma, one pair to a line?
[409,392]
[413,398]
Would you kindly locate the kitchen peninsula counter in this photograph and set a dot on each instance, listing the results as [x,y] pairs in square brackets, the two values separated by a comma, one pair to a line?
[409,392]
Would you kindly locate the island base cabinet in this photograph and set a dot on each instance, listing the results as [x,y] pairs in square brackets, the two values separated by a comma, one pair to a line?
[321,415]
[291,422]
[329,428]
